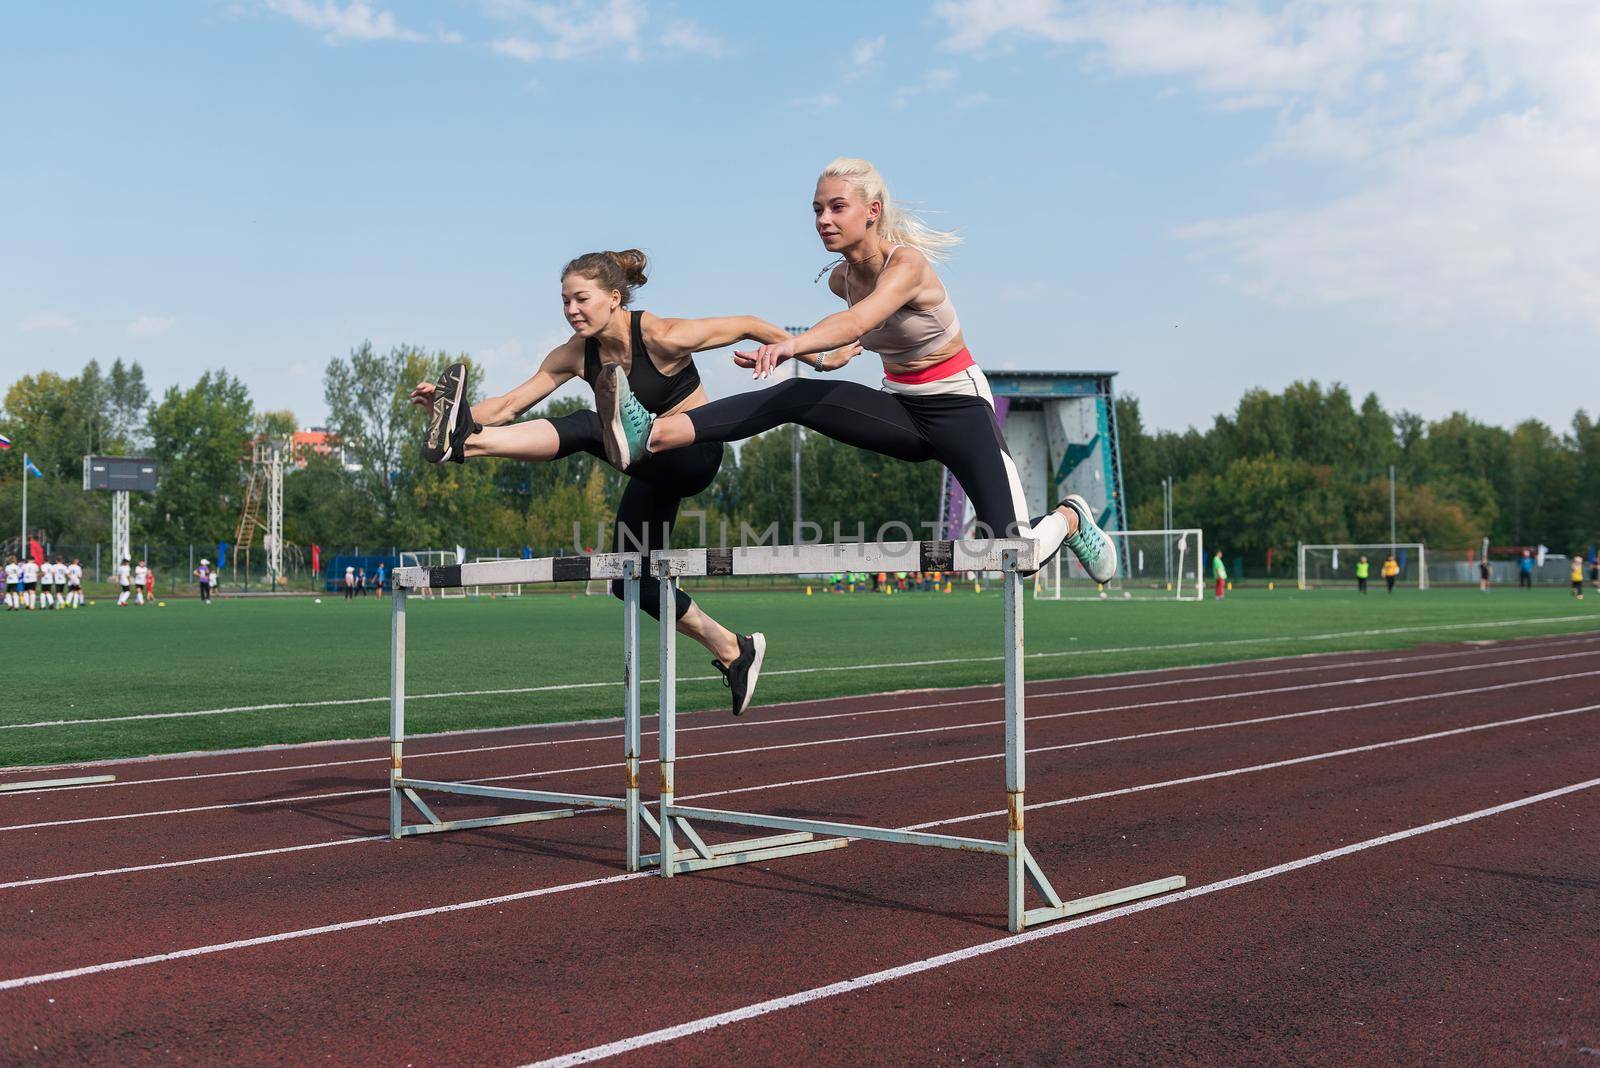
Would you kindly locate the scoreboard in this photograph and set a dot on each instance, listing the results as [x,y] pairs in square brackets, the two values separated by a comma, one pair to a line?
[119,473]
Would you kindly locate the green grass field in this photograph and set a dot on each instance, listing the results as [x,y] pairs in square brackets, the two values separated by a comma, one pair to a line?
[101,662]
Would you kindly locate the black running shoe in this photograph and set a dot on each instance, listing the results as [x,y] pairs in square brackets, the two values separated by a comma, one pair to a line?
[451,422]
[741,675]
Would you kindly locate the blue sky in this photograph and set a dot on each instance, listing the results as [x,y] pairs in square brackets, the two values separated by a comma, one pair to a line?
[1203,197]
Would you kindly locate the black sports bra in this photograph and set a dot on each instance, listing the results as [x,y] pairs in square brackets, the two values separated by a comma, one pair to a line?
[657,392]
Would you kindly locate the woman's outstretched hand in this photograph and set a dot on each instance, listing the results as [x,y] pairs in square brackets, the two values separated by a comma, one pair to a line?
[763,361]
[423,394]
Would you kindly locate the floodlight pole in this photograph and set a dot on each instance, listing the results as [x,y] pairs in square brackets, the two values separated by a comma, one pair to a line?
[796,331]
[1392,538]
[22,546]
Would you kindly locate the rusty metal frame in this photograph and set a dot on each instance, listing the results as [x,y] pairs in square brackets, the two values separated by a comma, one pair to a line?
[1012,557]
[403,789]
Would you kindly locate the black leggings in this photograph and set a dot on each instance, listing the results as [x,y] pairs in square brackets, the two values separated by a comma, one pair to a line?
[960,432]
[649,507]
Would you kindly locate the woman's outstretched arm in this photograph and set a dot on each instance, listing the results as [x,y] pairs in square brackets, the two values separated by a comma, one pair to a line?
[682,337]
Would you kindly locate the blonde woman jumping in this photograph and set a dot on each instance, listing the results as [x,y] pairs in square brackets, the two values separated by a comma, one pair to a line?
[934,403]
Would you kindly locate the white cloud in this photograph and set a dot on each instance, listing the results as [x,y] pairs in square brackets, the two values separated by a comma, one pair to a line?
[571,29]
[47,321]
[575,29]
[151,325]
[688,39]
[934,81]
[817,103]
[1467,133]
[865,53]
[353,21]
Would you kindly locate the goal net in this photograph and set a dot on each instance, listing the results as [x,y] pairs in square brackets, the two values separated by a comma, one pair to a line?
[1334,566]
[432,558]
[1151,565]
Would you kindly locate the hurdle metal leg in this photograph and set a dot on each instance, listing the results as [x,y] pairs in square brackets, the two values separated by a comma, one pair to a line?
[667,735]
[397,704]
[630,710]
[1016,746]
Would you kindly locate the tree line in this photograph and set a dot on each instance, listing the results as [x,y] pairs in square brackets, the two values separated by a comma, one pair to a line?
[1304,464]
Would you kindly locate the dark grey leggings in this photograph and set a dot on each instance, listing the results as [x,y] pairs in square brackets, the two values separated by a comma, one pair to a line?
[649,506]
[960,432]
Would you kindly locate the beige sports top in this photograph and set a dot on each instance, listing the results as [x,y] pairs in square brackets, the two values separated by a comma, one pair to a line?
[908,334]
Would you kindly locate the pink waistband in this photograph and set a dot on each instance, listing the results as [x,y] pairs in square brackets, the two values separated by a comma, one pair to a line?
[952,365]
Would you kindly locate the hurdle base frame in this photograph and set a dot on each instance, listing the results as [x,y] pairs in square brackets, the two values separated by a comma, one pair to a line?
[402,789]
[1011,557]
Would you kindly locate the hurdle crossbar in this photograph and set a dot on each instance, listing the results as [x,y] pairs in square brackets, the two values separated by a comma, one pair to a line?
[402,789]
[1013,557]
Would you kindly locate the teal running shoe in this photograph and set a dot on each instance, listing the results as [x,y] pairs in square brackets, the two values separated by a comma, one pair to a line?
[1094,550]
[624,422]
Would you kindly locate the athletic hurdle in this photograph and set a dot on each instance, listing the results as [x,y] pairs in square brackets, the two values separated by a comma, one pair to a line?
[1012,557]
[624,566]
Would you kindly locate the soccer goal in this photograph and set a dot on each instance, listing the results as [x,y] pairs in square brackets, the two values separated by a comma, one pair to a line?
[1331,566]
[510,589]
[433,558]
[1151,565]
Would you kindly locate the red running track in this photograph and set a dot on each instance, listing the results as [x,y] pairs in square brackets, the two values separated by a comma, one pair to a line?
[1474,940]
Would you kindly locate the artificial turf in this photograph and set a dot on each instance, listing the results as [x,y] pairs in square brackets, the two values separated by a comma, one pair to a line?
[329,662]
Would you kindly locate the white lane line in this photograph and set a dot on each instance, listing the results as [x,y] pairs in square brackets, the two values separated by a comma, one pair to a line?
[310,932]
[1071,692]
[927,964]
[1102,795]
[850,739]
[749,724]
[1092,742]
[826,668]
[1270,766]
[42,880]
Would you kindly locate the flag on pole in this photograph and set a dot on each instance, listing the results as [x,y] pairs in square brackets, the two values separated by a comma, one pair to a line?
[5,442]
[28,467]
[461,554]
[35,551]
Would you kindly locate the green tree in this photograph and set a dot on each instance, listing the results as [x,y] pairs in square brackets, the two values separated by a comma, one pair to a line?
[201,436]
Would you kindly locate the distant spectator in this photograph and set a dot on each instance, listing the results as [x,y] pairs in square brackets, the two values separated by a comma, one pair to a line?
[202,576]
[1391,571]
[361,582]
[1525,570]
[1577,576]
[1594,571]
[1363,569]
[1483,574]
[1219,571]
[378,585]
[350,582]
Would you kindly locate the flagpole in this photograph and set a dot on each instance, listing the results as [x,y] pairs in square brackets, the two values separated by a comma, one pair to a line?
[22,546]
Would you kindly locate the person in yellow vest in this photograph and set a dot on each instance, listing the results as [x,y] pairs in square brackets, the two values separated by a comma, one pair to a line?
[1577,576]
[1391,571]
[1363,569]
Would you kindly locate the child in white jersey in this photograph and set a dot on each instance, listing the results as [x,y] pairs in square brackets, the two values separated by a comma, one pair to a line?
[124,580]
[13,579]
[75,583]
[30,585]
[141,574]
